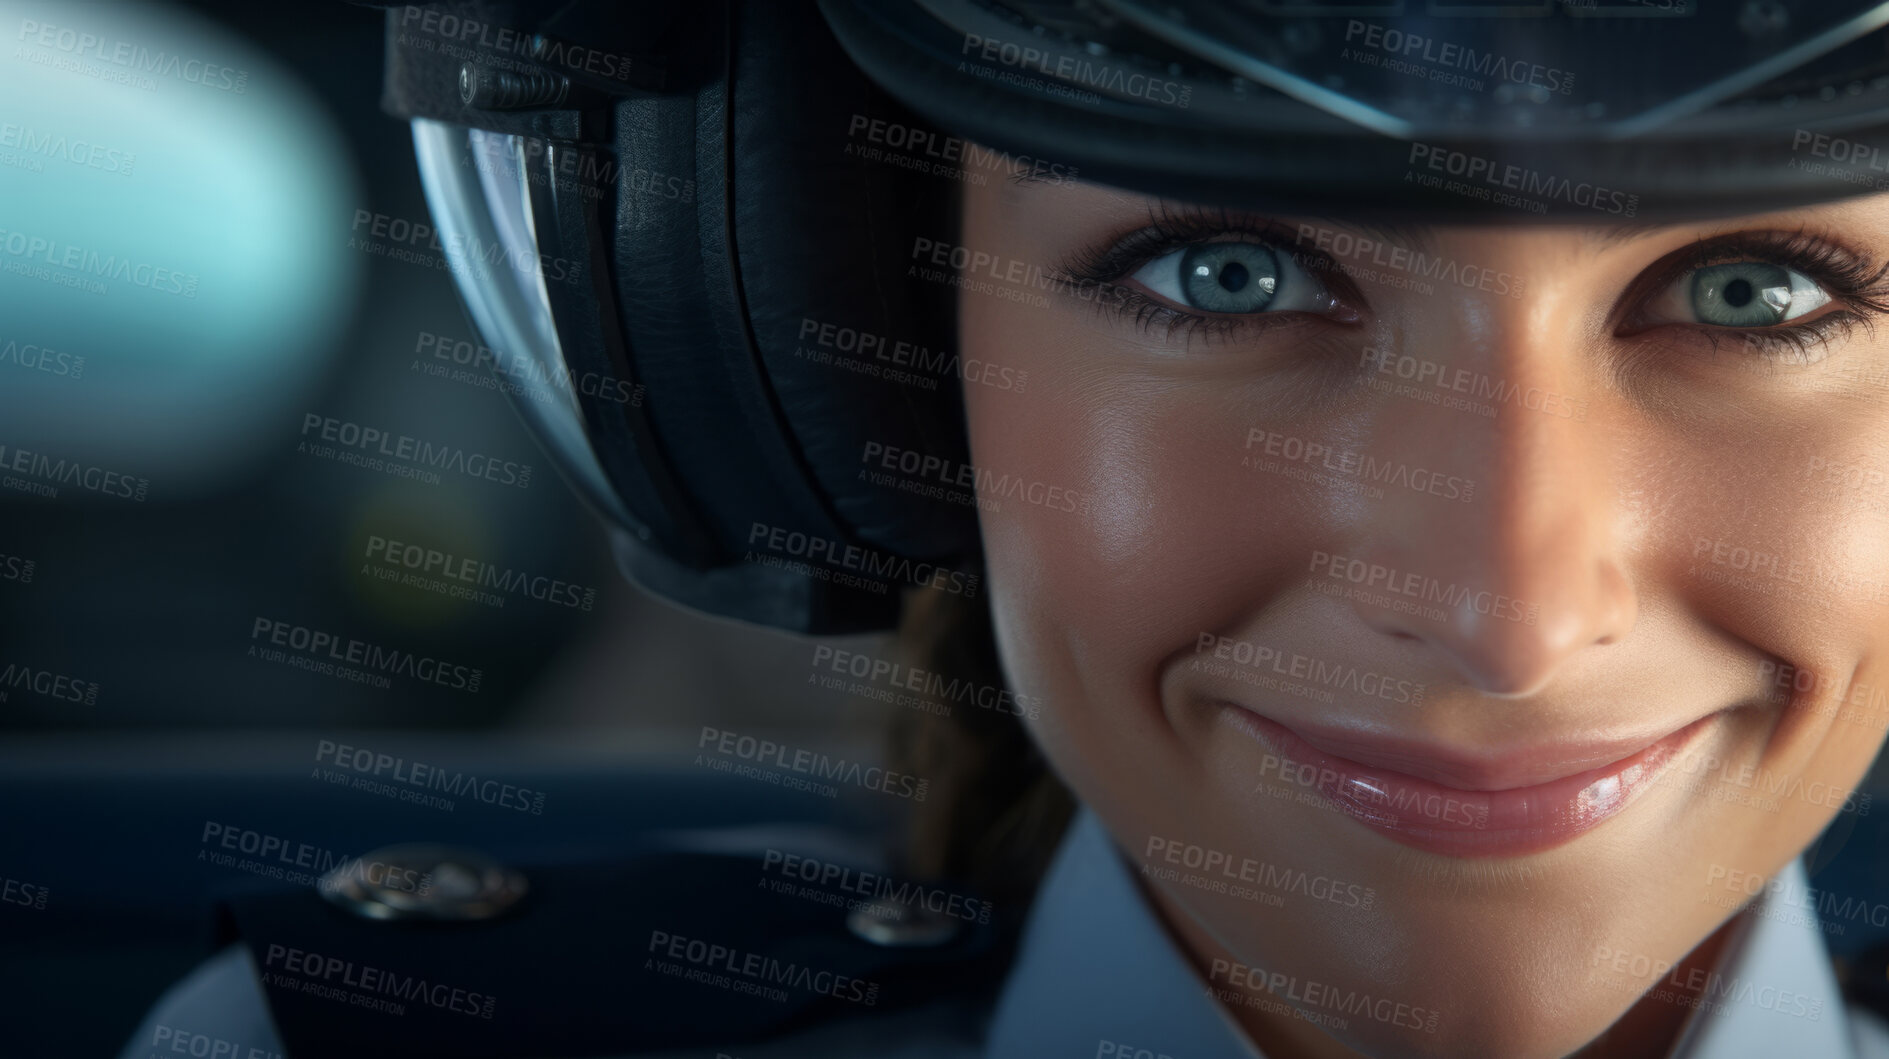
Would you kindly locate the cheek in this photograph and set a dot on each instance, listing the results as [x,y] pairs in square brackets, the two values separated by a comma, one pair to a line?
[1763,502]
[1182,528]
[1173,532]
[1795,561]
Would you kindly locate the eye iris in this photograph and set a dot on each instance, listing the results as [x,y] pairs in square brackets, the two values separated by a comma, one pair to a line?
[1742,294]
[1229,277]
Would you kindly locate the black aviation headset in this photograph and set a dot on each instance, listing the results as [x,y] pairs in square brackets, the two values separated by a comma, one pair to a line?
[699,222]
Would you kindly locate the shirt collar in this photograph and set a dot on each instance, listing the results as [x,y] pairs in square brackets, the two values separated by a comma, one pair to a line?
[1774,993]
[1096,966]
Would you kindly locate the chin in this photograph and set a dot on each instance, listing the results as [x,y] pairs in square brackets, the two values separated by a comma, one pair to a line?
[1400,951]
[1480,977]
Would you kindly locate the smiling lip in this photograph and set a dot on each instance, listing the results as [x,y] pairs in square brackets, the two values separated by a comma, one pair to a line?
[1456,807]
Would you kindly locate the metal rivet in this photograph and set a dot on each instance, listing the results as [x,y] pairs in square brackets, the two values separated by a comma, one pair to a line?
[424,881]
[901,927]
[489,89]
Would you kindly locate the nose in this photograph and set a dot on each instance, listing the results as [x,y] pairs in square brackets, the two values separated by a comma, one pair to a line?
[1513,564]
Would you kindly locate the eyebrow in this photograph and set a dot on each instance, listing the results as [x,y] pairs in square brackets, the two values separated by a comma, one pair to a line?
[1418,236]
[1415,236]
[1412,236]
[1615,234]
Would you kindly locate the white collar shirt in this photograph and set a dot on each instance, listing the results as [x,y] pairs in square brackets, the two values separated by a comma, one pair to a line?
[1099,976]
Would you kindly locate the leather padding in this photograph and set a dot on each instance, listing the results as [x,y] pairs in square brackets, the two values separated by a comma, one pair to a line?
[732,211]
[774,223]
[827,236]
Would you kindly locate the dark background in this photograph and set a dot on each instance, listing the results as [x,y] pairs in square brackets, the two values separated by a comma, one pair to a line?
[154,601]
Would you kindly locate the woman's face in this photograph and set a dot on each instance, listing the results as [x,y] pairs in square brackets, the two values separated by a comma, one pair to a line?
[1459,617]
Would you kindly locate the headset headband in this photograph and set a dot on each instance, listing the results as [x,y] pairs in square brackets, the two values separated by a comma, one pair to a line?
[666,208]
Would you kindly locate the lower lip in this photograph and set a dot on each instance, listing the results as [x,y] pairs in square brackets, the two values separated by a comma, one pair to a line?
[1459,823]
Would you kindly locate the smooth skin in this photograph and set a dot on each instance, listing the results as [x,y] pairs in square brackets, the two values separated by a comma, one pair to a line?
[1630,531]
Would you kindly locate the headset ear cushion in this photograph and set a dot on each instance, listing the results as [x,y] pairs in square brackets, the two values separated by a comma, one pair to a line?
[859,352]
[748,235]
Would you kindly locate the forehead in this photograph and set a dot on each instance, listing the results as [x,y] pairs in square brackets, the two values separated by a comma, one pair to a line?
[1044,205]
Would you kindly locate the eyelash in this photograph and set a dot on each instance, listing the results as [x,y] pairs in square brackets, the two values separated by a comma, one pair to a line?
[1861,286]
[1174,228]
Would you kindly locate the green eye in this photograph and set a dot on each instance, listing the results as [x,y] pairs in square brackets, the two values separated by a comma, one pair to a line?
[1749,294]
[1234,278]
[1229,277]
